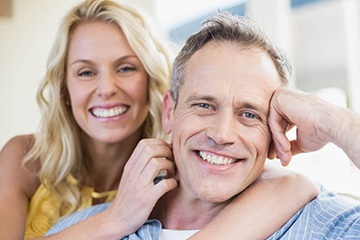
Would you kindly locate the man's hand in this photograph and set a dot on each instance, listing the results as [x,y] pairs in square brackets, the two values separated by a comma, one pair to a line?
[311,116]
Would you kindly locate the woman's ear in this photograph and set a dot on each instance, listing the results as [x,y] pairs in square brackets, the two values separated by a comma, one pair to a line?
[67,99]
[167,115]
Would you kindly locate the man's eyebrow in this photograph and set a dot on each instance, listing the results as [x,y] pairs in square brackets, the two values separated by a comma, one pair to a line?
[193,98]
[254,106]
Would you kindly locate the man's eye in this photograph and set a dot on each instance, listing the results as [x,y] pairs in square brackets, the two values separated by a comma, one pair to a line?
[203,105]
[249,115]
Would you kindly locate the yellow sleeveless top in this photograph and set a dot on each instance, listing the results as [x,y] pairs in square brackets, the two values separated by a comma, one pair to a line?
[44,211]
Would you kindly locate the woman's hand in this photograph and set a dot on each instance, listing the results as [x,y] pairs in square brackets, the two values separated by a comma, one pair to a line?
[138,194]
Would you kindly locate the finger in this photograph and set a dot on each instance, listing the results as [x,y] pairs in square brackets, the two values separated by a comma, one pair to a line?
[284,156]
[144,152]
[279,125]
[277,144]
[284,145]
[285,159]
[281,140]
[272,150]
[158,190]
[155,166]
[295,149]
[163,187]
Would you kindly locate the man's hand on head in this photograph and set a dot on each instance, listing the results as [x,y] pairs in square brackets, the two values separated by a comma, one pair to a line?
[289,108]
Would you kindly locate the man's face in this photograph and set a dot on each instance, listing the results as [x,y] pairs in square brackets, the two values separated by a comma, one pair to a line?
[219,127]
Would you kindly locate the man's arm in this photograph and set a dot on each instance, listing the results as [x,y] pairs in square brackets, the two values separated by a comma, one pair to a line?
[317,122]
[262,208]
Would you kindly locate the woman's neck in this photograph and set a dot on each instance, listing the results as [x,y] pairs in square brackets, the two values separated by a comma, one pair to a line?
[105,162]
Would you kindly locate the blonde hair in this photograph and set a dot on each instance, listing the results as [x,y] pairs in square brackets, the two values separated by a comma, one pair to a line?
[57,142]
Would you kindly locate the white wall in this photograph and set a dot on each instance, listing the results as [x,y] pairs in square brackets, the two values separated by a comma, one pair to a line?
[25,42]
[26,39]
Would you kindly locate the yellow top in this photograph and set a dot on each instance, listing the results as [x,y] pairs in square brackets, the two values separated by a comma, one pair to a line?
[44,211]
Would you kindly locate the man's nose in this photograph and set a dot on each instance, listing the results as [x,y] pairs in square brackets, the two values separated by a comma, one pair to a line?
[106,85]
[223,129]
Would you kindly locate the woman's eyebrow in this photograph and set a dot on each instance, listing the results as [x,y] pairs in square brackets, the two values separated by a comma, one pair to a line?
[89,61]
[126,58]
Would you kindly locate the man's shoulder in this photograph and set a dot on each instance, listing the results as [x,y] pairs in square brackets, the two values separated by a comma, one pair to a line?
[328,216]
[77,217]
[332,207]
[150,230]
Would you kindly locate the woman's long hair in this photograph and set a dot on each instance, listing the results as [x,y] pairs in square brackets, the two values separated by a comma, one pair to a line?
[57,142]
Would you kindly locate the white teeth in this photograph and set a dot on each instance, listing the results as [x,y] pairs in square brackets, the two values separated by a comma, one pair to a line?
[108,113]
[213,159]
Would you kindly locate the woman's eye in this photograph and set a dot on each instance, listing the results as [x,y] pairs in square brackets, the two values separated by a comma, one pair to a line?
[86,74]
[126,69]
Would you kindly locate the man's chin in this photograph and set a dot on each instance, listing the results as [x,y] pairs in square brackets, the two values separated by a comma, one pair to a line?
[216,195]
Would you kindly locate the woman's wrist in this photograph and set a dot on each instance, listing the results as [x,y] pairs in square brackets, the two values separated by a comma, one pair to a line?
[110,228]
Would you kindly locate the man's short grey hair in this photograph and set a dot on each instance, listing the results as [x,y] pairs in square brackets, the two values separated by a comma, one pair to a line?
[225,27]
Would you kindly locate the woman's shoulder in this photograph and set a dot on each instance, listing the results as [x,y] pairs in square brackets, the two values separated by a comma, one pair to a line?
[17,147]
[20,143]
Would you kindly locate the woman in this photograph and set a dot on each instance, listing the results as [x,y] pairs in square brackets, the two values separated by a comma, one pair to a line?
[101,95]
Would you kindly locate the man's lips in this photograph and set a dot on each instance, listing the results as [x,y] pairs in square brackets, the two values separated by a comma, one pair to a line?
[109,112]
[216,159]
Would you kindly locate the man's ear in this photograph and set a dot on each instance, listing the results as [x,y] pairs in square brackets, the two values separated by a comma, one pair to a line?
[167,114]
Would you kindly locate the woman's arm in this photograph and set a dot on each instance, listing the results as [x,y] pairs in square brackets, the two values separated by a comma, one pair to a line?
[16,185]
[135,199]
[262,208]
[17,188]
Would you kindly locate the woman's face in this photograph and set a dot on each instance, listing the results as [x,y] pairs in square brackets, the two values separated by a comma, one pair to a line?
[107,83]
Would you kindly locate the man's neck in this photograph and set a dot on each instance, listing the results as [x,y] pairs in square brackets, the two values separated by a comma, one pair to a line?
[177,211]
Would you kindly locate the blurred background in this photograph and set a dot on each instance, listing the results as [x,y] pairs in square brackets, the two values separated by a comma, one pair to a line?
[322,38]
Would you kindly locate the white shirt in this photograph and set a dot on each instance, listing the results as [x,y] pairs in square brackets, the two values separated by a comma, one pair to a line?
[168,234]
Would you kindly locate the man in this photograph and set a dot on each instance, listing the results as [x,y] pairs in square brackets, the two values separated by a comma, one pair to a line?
[219,115]
[217,112]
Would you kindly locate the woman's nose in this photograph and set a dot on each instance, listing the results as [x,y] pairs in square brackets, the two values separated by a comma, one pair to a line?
[106,86]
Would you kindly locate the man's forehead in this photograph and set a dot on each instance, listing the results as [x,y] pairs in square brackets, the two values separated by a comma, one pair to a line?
[226,60]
